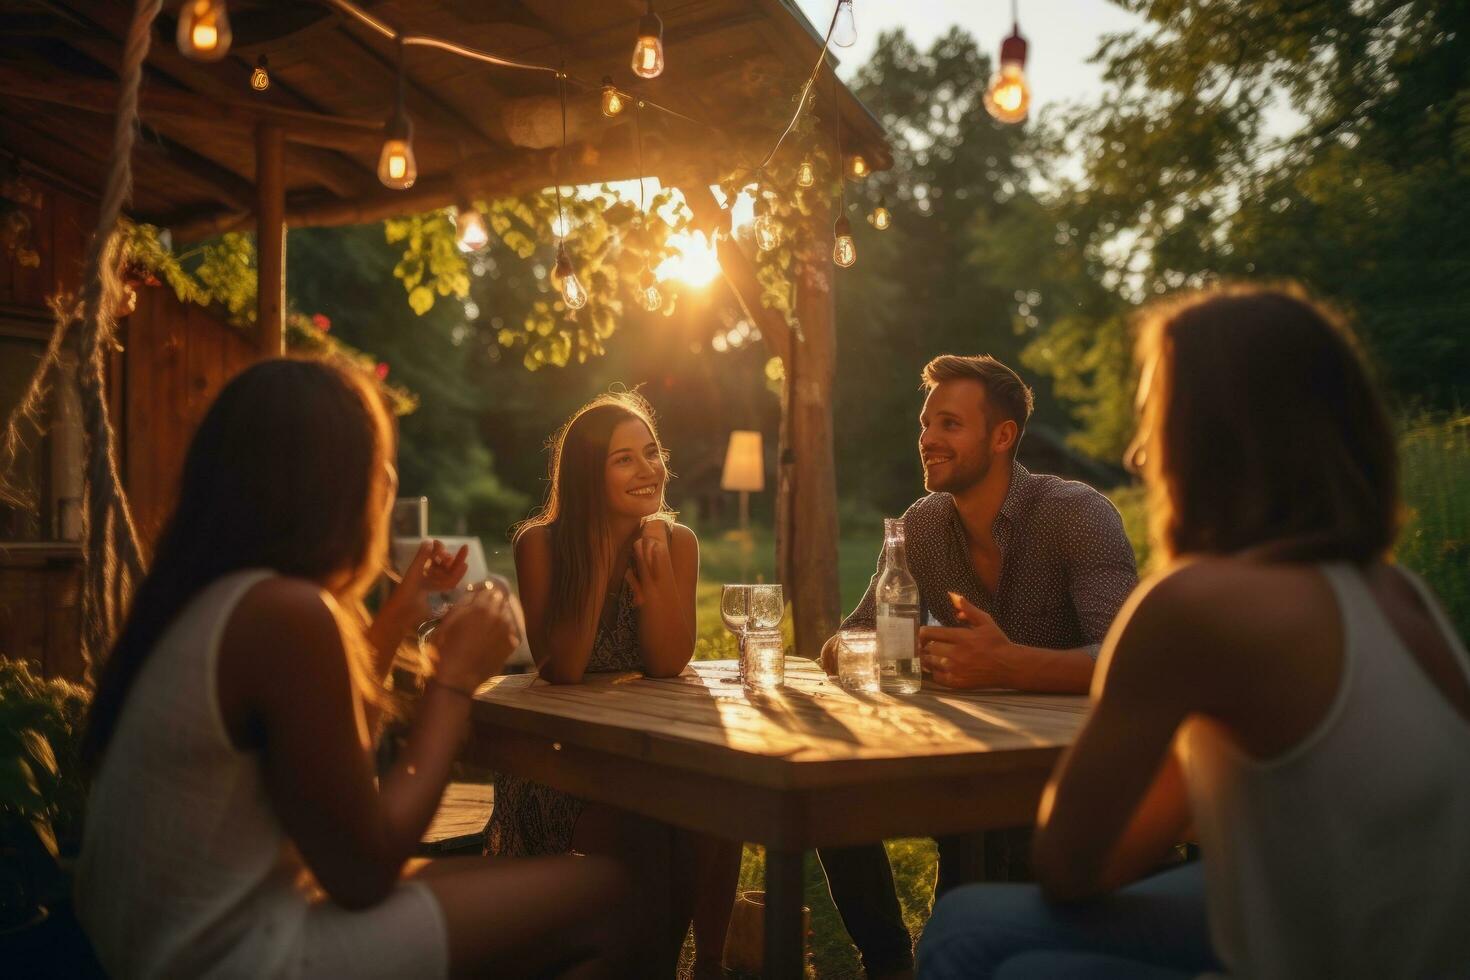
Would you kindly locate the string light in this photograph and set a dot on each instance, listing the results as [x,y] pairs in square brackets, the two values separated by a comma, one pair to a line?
[648,50]
[204,30]
[857,166]
[844,30]
[260,78]
[470,233]
[573,293]
[806,174]
[880,218]
[612,99]
[648,290]
[396,167]
[1008,96]
[844,250]
[767,229]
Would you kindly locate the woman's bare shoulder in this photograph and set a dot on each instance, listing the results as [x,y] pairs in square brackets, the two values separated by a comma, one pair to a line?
[683,536]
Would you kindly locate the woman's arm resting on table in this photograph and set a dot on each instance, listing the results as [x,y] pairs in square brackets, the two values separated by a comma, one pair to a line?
[1117,801]
[560,650]
[667,568]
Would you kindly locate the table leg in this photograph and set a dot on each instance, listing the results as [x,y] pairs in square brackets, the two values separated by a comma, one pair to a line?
[785,945]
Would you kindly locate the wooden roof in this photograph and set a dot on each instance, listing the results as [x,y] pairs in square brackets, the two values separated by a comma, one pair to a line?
[479,129]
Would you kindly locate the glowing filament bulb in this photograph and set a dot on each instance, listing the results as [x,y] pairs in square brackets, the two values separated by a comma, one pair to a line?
[844,29]
[612,99]
[844,250]
[260,79]
[470,233]
[648,51]
[806,174]
[204,30]
[880,218]
[396,167]
[857,166]
[573,293]
[1008,97]
[648,291]
[767,232]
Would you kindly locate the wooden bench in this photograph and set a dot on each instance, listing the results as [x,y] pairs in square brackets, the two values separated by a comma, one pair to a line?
[459,826]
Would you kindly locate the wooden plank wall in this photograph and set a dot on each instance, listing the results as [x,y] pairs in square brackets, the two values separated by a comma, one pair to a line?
[177,357]
[174,359]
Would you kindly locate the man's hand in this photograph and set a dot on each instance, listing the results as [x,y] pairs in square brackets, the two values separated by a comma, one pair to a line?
[978,654]
[829,655]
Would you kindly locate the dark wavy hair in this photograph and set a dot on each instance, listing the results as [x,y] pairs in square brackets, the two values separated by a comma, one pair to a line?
[1271,435]
[282,474]
[575,512]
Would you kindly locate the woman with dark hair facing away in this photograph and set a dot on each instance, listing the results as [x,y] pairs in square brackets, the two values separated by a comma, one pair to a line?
[235,827]
[1281,687]
[607,579]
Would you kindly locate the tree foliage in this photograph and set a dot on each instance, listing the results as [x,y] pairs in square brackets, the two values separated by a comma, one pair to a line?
[1311,139]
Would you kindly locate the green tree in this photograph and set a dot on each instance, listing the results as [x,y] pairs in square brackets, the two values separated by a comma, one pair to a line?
[1185,178]
[346,275]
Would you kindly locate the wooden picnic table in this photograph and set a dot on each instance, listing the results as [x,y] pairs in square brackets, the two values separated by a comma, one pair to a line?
[803,766]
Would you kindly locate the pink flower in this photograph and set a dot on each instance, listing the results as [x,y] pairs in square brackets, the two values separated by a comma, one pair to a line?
[382,371]
[320,321]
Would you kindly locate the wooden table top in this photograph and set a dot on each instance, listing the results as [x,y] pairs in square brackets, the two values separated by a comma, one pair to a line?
[809,733]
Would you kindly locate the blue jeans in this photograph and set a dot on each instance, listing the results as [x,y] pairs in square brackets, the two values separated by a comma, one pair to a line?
[1154,928]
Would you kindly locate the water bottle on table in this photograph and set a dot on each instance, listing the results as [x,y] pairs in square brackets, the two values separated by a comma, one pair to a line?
[898,616]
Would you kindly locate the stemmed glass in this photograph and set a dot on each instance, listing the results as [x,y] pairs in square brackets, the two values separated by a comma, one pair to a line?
[750,607]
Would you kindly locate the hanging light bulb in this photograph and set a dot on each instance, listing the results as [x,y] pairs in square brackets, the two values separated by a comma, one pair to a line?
[204,30]
[767,232]
[648,51]
[396,167]
[260,79]
[844,28]
[648,291]
[880,218]
[1008,96]
[857,166]
[573,293]
[844,250]
[612,99]
[806,174]
[470,233]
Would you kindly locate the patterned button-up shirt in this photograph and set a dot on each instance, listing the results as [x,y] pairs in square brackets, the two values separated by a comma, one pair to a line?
[1066,565]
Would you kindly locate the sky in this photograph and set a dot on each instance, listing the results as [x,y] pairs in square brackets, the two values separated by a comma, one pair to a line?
[1062,34]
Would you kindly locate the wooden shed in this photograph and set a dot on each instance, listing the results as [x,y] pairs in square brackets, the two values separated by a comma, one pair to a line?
[214,154]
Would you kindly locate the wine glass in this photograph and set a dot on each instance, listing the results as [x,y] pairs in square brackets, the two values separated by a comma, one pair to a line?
[735,611]
[767,606]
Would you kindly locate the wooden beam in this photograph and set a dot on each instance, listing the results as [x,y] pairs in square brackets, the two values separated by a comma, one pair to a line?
[270,239]
[100,96]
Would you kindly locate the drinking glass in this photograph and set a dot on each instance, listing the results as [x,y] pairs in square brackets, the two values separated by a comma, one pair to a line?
[764,660]
[767,605]
[735,611]
[857,660]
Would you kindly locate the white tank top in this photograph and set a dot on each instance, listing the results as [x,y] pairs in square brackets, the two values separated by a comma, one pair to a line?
[184,868]
[1349,855]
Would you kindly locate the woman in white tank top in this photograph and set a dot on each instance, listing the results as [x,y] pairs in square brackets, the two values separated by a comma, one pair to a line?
[235,826]
[1281,694]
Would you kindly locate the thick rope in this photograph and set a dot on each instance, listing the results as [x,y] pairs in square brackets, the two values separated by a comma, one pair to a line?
[112,559]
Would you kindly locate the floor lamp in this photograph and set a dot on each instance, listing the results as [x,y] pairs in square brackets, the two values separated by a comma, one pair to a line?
[745,472]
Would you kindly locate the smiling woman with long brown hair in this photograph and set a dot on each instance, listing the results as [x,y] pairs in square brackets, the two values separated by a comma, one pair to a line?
[236,826]
[1281,687]
[607,579]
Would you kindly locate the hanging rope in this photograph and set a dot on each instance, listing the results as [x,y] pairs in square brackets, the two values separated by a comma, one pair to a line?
[112,562]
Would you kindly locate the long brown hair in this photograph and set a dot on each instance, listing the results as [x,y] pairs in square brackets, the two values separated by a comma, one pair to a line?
[282,474]
[575,513]
[1271,436]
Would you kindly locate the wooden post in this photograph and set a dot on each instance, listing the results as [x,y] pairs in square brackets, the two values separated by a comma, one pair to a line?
[270,238]
[807,465]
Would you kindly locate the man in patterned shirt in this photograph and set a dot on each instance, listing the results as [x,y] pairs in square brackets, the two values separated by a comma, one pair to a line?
[1021,575]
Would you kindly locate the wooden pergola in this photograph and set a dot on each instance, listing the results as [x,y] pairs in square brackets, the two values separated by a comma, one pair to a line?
[214,155]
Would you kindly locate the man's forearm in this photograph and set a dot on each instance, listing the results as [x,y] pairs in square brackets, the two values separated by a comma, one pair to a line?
[1051,671]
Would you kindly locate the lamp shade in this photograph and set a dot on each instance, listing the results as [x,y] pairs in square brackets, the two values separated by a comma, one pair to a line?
[744,463]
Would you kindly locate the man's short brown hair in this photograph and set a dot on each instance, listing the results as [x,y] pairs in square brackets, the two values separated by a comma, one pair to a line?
[1006,395]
